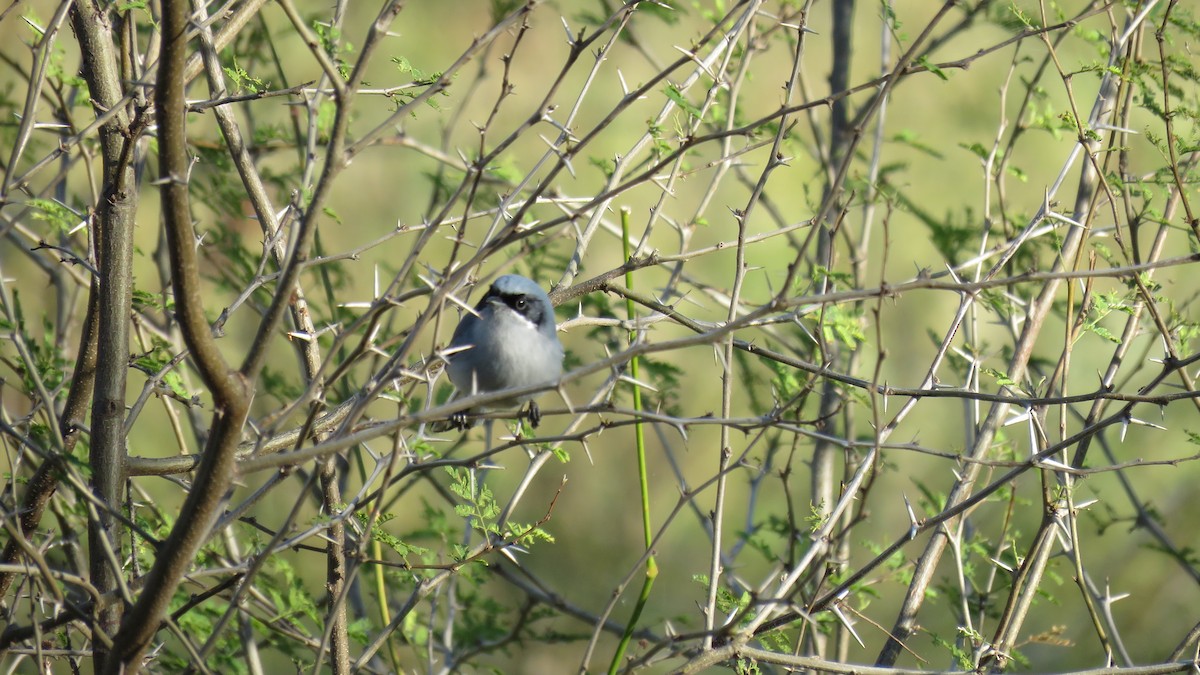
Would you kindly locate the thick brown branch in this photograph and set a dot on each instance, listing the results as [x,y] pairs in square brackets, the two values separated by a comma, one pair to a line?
[230,391]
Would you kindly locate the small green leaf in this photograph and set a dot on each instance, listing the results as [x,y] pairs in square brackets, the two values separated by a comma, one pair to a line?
[675,95]
[924,62]
[54,213]
[1001,379]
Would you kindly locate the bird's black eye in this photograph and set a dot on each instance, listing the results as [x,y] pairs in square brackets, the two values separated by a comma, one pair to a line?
[520,304]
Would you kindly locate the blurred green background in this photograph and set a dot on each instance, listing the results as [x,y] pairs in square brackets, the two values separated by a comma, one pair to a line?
[932,124]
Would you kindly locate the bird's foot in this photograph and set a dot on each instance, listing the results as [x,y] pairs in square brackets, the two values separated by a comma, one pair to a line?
[460,420]
[535,415]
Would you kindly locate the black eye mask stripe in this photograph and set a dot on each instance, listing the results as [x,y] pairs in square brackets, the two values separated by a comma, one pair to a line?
[521,304]
[531,310]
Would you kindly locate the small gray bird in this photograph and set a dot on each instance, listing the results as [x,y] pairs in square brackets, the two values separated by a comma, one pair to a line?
[510,341]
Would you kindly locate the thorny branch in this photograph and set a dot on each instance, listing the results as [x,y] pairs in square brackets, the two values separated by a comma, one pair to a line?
[822,259]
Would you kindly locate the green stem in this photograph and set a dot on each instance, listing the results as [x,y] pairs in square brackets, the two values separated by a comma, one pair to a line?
[385,616]
[640,437]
